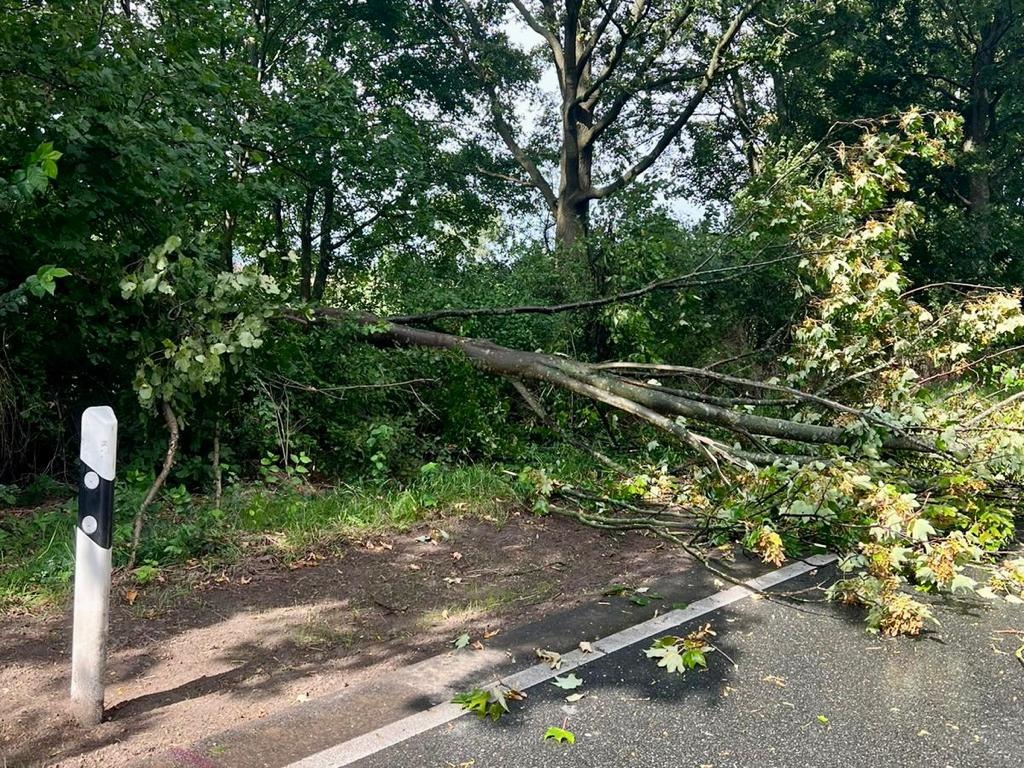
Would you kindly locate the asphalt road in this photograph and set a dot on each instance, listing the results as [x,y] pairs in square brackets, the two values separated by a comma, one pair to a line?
[810,689]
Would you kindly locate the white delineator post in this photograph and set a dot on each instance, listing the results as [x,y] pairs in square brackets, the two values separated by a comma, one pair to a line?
[92,563]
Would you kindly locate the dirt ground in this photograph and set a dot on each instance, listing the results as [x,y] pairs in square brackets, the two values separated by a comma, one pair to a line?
[203,652]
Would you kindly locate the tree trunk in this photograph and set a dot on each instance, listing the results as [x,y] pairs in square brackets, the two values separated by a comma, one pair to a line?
[571,213]
[280,268]
[306,245]
[323,265]
[738,99]
[570,223]
[980,118]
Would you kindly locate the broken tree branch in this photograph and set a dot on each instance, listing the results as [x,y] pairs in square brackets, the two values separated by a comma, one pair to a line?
[664,410]
[690,279]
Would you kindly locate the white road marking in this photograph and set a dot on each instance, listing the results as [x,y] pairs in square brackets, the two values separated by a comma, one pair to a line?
[394,733]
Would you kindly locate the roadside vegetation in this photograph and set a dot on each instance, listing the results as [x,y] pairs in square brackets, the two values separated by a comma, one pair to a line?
[288,523]
[332,280]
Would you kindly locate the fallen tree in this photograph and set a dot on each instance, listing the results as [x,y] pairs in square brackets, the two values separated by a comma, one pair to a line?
[885,431]
[668,409]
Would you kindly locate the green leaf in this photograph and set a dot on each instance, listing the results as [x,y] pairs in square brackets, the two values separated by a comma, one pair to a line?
[665,642]
[568,682]
[921,529]
[477,700]
[673,661]
[694,658]
[560,735]
[461,641]
[616,589]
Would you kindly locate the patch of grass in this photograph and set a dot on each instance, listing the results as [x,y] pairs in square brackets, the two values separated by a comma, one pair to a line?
[307,519]
[36,558]
[37,555]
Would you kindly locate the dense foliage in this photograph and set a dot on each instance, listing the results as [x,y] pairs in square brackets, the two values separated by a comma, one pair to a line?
[278,228]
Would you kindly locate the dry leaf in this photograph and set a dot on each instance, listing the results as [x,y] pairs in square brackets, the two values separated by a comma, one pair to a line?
[456,556]
[586,647]
[553,659]
[491,633]
[130,595]
[477,646]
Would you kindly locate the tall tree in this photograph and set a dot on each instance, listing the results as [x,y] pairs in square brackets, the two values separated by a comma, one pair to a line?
[630,77]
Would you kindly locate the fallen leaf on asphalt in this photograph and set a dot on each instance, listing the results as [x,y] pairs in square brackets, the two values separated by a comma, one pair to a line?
[552,658]
[560,735]
[779,681]
[574,697]
[586,647]
[568,682]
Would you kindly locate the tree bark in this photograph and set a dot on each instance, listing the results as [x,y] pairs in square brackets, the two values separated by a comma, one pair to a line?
[306,245]
[323,265]
[279,269]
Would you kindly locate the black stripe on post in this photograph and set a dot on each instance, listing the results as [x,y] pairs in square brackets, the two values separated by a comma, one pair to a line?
[96,506]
